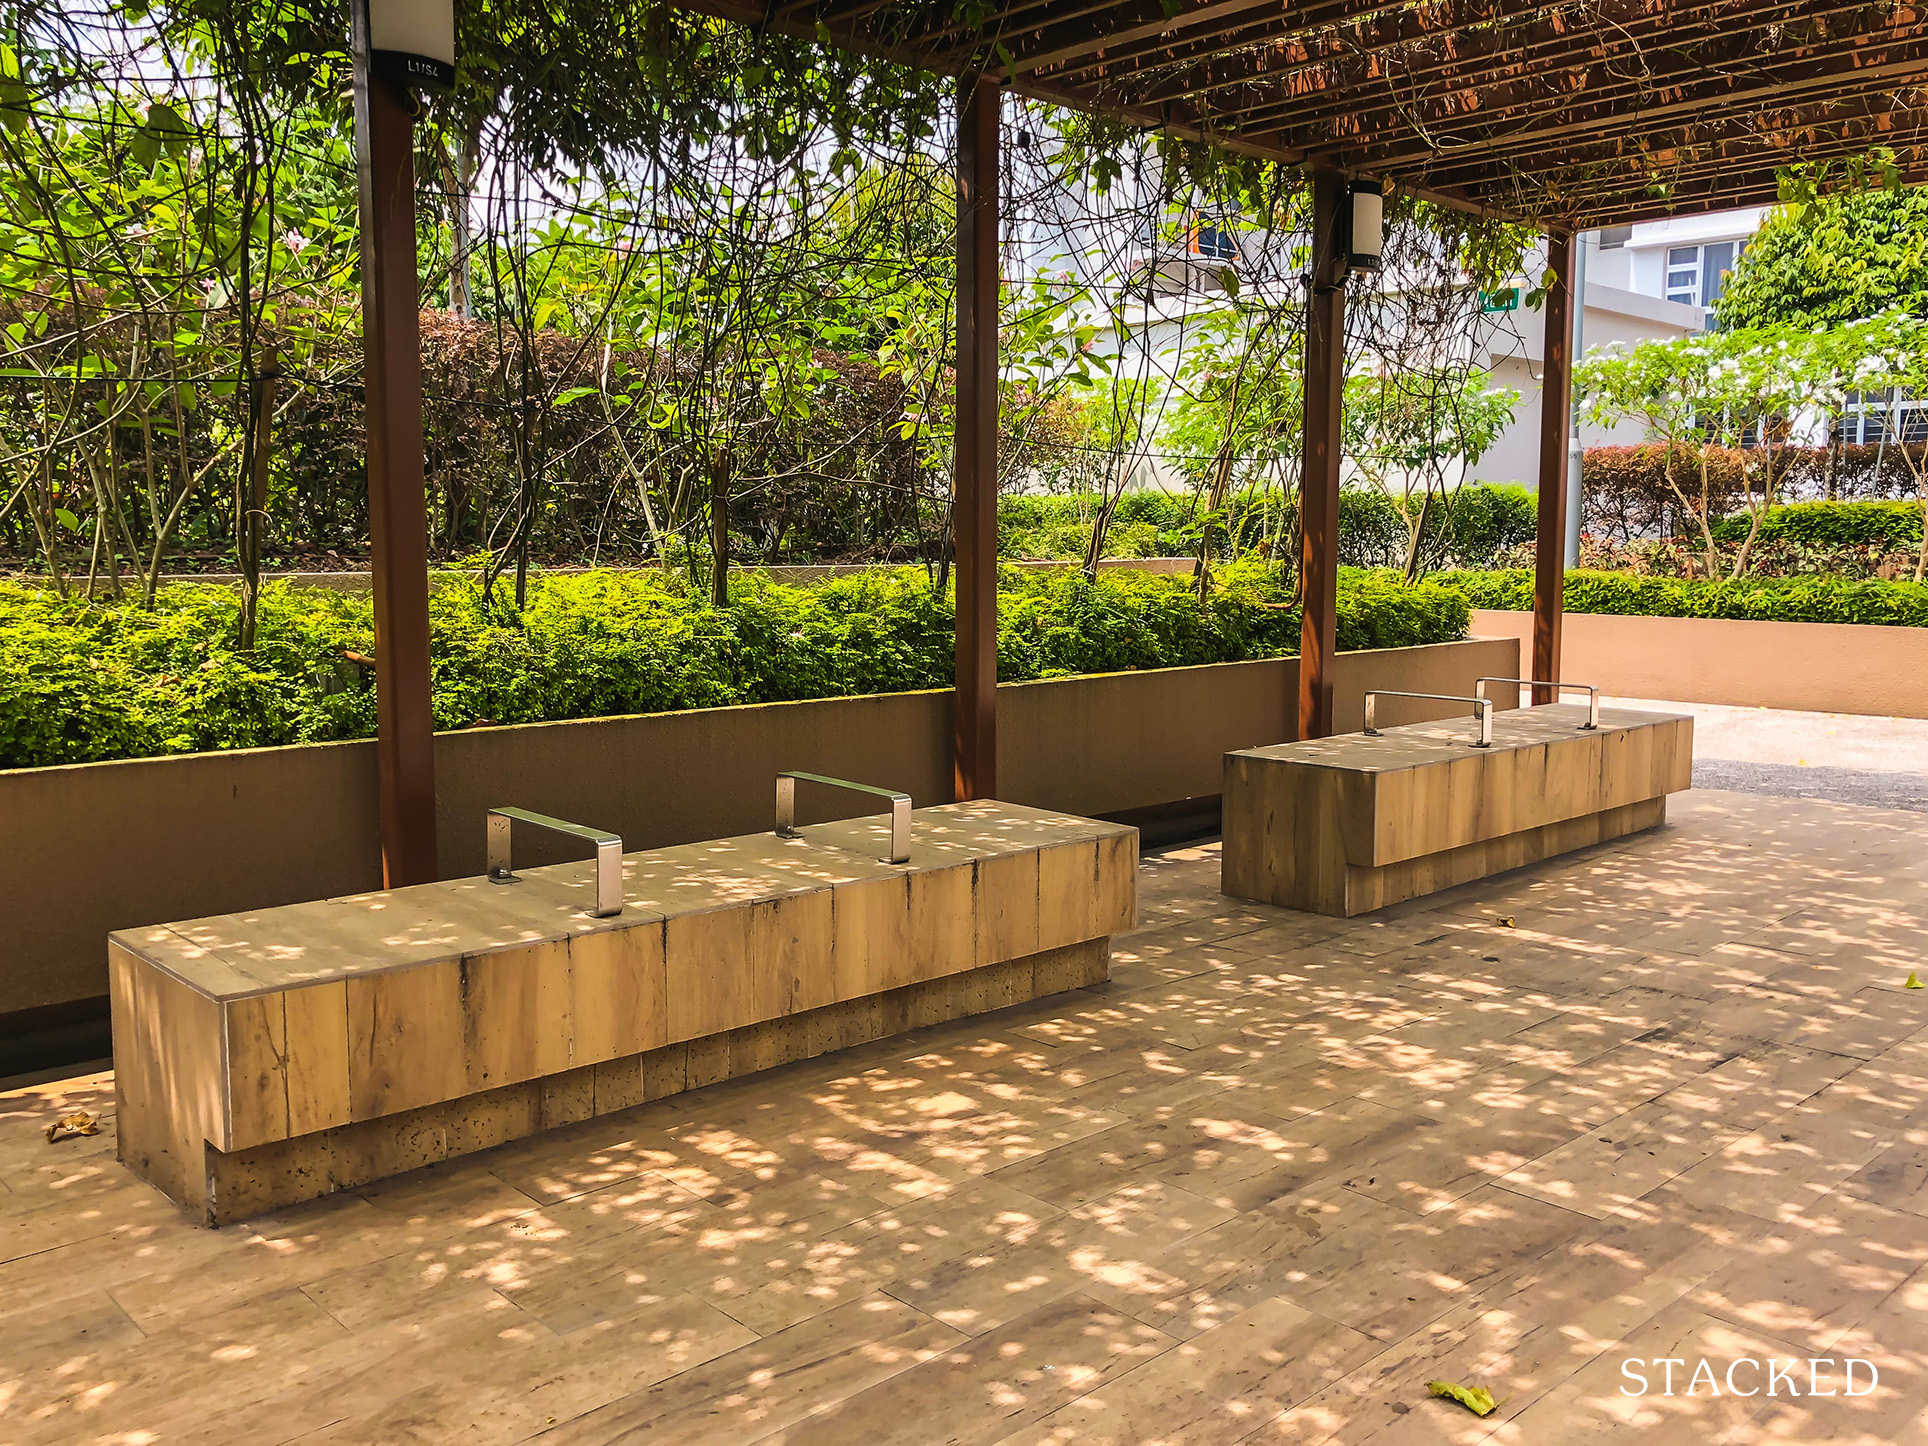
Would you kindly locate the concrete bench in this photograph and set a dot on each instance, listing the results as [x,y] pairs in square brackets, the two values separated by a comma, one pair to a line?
[1346,825]
[271,1057]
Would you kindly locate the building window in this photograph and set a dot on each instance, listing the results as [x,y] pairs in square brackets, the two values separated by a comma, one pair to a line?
[1696,275]
[1869,416]
[1213,240]
[1612,238]
[1683,275]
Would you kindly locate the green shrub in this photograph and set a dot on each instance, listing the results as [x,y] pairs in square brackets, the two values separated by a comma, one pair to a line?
[1811,599]
[1890,526]
[1488,520]
[85,682]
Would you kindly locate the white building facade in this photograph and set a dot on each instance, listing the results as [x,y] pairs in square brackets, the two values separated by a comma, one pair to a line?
[1655,281]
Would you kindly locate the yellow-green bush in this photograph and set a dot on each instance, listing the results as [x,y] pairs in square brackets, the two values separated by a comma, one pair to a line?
[83,682]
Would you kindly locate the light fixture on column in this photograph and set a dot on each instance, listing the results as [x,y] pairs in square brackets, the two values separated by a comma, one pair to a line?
[412,42]
[1365,225]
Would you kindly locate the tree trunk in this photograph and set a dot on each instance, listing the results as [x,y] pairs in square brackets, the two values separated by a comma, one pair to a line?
[252,485]
[1415,541]
[719,529]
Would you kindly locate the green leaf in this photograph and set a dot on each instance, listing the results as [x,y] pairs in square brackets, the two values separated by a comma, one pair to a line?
[14,99]
[1476,1399]
[67,519]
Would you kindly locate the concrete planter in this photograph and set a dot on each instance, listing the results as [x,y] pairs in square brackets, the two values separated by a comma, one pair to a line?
[102,846]
[1813,667]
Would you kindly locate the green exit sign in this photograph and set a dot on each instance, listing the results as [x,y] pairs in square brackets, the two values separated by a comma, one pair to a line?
[1507,300]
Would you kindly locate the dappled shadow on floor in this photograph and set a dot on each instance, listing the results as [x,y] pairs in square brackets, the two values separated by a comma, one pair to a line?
[1665,1098]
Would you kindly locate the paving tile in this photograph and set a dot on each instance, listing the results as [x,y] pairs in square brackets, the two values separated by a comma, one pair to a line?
[1897,1178]
[1213,1388]
[770,1385]
[1787,1164]
[1275,1176]
[1617,1161]
[1386,1400]
[1817,1274]
[1601,1402]
[988,1388]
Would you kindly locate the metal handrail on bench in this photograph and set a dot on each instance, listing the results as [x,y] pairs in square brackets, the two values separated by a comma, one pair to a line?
[1482,710]
[899,809]
[1593,693]
[609,854]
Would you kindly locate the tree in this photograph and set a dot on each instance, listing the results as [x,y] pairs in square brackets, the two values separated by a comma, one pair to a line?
[1889,354]
[1839,257]
[1664,386]
[1762,380]
[1404,428]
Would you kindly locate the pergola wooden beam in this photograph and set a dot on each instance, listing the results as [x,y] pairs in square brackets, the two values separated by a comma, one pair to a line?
[397,506]
[1325,377]
[1556,420]
[974,440]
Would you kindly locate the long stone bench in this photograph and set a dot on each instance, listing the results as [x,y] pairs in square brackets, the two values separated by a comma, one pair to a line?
[272,1057]
[1346,825]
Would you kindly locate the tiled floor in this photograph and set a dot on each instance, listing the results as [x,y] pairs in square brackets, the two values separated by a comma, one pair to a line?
[1666,1099]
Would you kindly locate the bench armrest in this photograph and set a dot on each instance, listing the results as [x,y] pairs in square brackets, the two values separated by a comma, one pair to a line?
[609,854]
[899,809]
[1593,693]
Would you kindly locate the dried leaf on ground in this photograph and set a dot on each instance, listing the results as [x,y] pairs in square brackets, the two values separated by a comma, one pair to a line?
[80,1122]
[1476,1399]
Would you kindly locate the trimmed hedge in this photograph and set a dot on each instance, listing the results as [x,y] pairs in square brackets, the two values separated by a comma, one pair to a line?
[1769,599]
[1625,492]
[83,683]
[1483,522]
[1887,525]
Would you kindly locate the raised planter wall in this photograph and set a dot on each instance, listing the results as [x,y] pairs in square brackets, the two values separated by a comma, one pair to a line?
[1811,667]
[102,846]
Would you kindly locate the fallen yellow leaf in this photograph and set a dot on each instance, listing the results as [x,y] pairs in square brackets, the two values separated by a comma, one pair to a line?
[1506,921]
[1476,1399]
[80,1122]
[1913,983]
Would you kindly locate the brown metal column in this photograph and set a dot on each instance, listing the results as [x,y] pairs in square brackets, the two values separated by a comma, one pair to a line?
[1556,418]
[1325,376]
[397,510]
[974,478]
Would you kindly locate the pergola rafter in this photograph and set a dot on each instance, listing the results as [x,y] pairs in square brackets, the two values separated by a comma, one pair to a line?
[1552,112]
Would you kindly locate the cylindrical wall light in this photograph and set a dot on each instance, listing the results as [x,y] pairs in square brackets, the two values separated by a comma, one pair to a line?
[1366,225]
[412,42]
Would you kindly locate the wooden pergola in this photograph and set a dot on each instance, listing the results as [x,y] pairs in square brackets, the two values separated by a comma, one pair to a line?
[1565,116]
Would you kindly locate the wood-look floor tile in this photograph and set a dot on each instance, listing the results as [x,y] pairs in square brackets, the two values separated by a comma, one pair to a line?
[1594,1404]
[1385,1400]
[988,1388]
[1099,1248]
[1215,1387]
[1818,1274]
[1245,1192]
[769,1385]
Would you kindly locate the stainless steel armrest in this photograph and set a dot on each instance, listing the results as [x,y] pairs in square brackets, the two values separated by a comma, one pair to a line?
[609,854]
[899,809]
[1482,711]
[1593,693]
